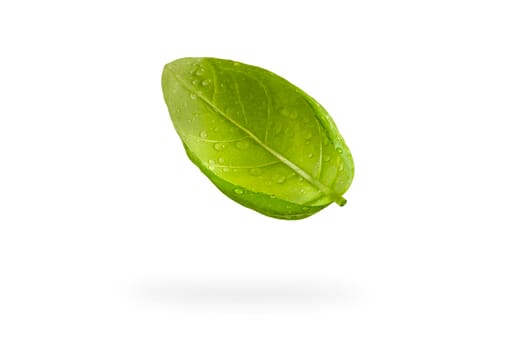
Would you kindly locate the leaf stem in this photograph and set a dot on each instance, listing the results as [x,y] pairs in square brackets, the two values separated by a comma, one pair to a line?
[341,201]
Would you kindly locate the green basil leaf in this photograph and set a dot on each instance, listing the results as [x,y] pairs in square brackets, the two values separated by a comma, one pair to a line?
[261,140]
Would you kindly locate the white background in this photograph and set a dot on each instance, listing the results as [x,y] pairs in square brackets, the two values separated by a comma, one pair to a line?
[111,239]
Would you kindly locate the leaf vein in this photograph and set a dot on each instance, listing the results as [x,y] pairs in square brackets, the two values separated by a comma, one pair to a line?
[321,150]
[214,84]
[216,141]
[247,166]
[240,101]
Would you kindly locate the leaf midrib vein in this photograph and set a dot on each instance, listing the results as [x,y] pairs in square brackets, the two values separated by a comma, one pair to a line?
[309,178]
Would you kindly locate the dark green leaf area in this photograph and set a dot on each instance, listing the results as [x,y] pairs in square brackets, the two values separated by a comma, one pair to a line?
[251,131]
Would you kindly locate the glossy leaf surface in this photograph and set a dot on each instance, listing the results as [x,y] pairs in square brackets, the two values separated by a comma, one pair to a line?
[261,140]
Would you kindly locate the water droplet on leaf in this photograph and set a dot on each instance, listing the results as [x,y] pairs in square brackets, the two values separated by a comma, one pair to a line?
[239,190]
[281,179]
[219,146]
[242,145]
[255,171]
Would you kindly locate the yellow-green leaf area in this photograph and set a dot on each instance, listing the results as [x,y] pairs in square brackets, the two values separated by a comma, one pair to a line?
[258,138]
